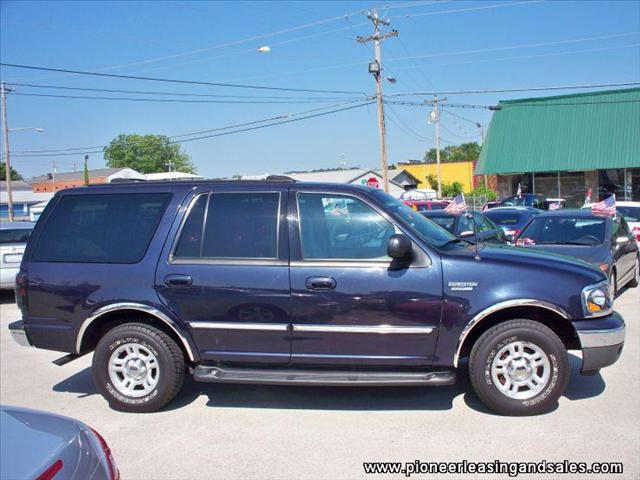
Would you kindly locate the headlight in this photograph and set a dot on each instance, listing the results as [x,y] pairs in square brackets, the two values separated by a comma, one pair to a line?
[596,300]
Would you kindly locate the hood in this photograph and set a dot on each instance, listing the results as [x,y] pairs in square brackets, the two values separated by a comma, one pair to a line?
[593,255]
[525,257]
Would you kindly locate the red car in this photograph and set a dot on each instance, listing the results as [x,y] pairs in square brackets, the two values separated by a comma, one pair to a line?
[427,205]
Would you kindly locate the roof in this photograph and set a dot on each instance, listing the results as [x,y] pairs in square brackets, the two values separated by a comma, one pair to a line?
[25,196]
[7,225]
[584,131]
[570,212]
[79,175]
[15,185]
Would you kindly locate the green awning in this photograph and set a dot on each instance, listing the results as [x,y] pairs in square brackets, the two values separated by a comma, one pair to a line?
[586,131]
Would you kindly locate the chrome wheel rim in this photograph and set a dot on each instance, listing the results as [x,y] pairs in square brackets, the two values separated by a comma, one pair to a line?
[521,370]
[134,370]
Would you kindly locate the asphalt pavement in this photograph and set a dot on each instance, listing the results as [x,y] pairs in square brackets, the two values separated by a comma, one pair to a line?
[245,431]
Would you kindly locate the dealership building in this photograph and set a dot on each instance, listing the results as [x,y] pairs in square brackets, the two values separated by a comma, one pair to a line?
[562,146]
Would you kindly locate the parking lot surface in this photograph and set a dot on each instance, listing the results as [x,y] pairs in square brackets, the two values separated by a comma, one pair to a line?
[245,431]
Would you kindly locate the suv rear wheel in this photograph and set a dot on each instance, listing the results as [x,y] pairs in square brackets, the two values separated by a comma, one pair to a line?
[138,368]
[519,367]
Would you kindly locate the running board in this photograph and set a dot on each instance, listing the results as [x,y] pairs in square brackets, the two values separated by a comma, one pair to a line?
[68,358]
[290,376]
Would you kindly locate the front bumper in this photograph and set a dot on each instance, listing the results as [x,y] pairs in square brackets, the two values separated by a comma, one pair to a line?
[601,340]
[19,333]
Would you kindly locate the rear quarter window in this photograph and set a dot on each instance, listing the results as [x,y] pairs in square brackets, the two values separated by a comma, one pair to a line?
[101,228]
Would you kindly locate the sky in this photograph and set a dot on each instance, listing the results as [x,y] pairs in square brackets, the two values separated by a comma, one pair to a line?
[442,46]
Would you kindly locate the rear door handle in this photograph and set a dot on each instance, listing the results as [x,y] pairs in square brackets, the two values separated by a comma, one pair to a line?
[321,283]
[174,280]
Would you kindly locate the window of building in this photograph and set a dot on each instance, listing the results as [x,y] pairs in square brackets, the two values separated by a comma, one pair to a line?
[340,227]
[101,228]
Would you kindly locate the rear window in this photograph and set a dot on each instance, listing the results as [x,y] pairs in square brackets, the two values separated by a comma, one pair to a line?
[101,228]
[565,230]
[14,235]
[504,218]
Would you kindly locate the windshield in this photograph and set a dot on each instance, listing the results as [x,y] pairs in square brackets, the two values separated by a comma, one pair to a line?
[631,214]
[445,222]
[425,229]
[564,230]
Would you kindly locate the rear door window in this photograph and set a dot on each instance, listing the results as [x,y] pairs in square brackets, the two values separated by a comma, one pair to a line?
[231,225]
[101,228]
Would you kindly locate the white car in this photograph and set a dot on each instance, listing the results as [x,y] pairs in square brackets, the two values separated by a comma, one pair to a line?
[13,240]
[631,213]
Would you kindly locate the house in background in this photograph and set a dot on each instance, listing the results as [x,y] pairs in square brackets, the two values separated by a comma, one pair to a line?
[172,176]
[24,199]
[450,172]
[565,146]
[59,181]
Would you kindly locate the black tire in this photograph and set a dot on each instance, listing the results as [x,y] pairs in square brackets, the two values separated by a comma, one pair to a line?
[170,373]
[484,352]
[636,276]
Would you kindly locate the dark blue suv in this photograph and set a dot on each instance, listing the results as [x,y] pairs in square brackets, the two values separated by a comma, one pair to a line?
[298,283]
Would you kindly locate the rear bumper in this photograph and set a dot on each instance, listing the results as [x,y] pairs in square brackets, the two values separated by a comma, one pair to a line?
[19,333]
[602,340]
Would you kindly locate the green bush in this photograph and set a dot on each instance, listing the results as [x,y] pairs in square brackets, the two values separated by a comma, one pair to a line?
[451,189]
[481,191]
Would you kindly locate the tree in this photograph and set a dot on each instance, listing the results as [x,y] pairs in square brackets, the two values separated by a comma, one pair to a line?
[432,180]
[451,189]
[147,154]
[464,152]
[14,173]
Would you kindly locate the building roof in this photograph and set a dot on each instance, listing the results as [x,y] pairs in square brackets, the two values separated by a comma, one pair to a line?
[15,185]
[79,175]
[171,176]
[584,131]
[25,196]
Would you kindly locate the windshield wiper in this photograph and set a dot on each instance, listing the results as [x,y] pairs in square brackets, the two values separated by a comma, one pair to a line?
[568,242]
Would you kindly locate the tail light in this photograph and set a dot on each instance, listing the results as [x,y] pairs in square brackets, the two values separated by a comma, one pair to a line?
[52,471]
[110,462]
[21,289]
[636,233]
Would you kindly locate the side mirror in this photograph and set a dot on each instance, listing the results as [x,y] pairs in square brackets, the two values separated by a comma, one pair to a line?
[399,247]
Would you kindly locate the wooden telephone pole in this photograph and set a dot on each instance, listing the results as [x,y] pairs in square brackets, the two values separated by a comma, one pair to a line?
[375,68]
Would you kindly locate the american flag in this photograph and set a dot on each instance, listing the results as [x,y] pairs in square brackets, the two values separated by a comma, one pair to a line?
[519,192]
[339,210]
[555,206]
[587,197]
[605,208]
[458,206]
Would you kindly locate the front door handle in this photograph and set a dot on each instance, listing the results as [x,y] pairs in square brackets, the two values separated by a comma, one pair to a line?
[321,283]
[174,280]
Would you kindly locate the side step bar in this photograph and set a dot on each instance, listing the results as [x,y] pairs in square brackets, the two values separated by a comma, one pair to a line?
[203,373]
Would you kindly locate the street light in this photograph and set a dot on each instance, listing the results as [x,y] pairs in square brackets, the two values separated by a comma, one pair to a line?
[7,163]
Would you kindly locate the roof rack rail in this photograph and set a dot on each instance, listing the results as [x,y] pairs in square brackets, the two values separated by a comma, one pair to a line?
[279,178]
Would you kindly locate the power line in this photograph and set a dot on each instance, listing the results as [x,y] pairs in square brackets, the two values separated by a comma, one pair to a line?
[277,120]
[407,130]
[168,100]
[177,94]
[470,9]
[170,80]
[523,89]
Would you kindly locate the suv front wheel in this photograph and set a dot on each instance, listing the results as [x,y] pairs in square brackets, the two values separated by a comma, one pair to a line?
[519,367]
[138,368]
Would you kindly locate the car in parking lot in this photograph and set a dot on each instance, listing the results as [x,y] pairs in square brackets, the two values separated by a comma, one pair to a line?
[462,226]
[427,205]
[44,446]
[606,242]
[631,213]
[526,200]
[512,219]
[264,282]
[13,240]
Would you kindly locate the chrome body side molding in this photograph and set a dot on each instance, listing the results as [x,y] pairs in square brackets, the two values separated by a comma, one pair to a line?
[522,302]
[114,307]
[269,327]
[379,329]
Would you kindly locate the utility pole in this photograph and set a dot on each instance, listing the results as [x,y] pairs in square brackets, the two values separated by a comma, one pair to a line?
[169,164]
[53,176]
[481,127]
[435,118]
[375,68]
[7,160]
